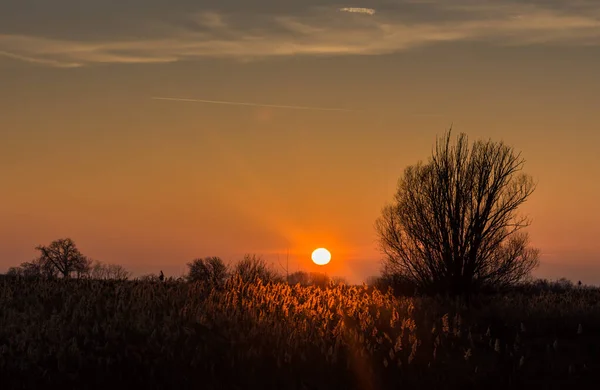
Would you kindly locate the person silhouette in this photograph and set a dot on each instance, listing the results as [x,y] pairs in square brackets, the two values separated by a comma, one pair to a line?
[161,276]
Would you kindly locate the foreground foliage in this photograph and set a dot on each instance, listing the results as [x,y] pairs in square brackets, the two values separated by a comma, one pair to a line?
[94,334]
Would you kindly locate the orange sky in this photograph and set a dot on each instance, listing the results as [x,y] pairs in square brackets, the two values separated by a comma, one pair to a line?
[85,151]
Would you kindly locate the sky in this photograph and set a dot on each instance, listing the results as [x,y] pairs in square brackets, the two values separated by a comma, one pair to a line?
[106,135]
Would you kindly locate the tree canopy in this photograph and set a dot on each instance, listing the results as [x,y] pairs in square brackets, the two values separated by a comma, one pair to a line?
[63,256]
[209,269]
[453,225]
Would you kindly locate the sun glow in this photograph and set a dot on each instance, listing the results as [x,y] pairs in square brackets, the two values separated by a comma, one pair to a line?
[321,256]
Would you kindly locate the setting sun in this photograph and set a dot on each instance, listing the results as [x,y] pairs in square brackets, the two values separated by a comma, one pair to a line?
[321,256]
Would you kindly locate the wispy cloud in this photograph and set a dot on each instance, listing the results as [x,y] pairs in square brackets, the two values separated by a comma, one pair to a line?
[319,31]
[358,10]
[41,61]
[253,104]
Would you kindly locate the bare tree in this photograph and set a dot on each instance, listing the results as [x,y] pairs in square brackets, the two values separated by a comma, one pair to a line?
[34,269]
[210,269]
[99,270]
[453,225]
[63,256]
[148,278]
[253,267]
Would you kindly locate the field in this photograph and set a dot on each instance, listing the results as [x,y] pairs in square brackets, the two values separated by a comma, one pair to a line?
[144,334]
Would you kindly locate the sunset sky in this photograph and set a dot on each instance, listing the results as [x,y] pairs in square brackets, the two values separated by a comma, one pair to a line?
[87,152]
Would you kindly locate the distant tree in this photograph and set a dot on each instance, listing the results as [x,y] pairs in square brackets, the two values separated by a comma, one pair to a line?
[299,277]
[148,278]
[540,285]
[313,279]
[453,226]
[99,270]
[336,280]
[62,256]
[319,279]
[211,270]
[399,284]
[252,268]
[564,284]
[161,276]
[14,271]
[34,269]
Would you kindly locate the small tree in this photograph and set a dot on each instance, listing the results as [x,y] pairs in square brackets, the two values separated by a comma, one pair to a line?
[453,226]
[319,279]
[337,280]
[252,268]
[210,269]
[33,269]
[99,270]
[299,277]
[63,256]
[148,278]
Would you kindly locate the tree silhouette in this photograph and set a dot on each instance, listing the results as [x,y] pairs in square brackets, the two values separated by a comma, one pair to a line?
[337,280]
[99,270]
[210,269]
[453,226]
[299,277]
[319,279]
[34,269]
[252,268]
[63,256]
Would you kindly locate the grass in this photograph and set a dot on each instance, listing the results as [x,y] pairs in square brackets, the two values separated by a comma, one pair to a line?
[98,334]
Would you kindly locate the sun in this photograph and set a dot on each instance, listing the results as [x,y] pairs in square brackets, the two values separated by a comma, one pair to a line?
[321,256]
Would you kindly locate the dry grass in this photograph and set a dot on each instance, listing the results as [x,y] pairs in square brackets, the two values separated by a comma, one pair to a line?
[95,334]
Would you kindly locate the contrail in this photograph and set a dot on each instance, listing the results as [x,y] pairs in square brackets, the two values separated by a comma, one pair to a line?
[359,10]
[253,104]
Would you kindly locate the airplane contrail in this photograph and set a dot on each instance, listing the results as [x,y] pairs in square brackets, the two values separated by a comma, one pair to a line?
[359,10]
[253,104]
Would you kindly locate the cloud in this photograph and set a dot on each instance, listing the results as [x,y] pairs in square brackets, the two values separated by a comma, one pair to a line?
[315,31]
[367,11]
[42,61]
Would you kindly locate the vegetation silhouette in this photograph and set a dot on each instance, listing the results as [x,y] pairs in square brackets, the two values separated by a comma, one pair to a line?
[101,271]
[61,257]
[253,267]
[453,226]
[176,334]
[299,277]
[211,270]
[317,279]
